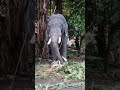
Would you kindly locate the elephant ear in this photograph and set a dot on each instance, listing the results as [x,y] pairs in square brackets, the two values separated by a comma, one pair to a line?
[65,26]
[66,30]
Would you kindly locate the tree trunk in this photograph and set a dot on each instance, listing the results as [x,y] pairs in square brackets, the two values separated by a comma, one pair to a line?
[42,11]
[108,49]
[14,47]
[101,41]
[77,42]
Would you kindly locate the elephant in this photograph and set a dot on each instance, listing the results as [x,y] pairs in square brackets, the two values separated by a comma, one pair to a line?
[57,37]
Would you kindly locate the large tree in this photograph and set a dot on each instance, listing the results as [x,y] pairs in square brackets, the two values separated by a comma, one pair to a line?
[42,24]
[16,34]
[105,15]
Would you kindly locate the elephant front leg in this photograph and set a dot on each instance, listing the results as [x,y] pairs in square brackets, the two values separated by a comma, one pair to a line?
[55,53]
[53,56]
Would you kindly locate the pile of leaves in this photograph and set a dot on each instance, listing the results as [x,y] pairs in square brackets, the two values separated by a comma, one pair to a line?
[74,71]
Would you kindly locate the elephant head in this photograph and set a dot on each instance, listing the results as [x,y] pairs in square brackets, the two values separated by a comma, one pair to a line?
[54,35]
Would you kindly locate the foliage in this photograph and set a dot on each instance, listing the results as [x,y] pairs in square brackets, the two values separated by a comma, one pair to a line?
[76,17]
[104,12]
[74,70]
[71,53]
[105,9]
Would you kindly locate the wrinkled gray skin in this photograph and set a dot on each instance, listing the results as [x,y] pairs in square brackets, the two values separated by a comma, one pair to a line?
[57,27]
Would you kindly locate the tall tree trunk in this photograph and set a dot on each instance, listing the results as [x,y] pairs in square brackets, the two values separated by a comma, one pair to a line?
[42,27]
[16,37]
[108,49]
[77,43]
[101,41]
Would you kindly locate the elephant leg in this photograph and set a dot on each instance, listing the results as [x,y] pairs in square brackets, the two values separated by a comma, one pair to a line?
[49,52]
[53,56]
[63,48]
[55,53]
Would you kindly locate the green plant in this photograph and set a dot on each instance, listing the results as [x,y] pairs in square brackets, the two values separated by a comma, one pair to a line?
[74,71]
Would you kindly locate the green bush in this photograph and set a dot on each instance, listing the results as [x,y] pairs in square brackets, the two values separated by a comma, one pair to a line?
[74,70]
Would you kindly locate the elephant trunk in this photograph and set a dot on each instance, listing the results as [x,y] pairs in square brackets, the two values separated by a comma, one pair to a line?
[55,51]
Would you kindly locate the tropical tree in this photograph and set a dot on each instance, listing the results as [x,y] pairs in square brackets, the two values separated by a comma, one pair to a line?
[17,30]
[76,21]
[105,15]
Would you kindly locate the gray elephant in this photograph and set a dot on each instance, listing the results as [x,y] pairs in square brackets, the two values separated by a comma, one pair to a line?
[57,36]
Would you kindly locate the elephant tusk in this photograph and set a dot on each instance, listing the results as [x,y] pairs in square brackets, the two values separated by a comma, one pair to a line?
[64,58]
[49,41]
[59,40]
